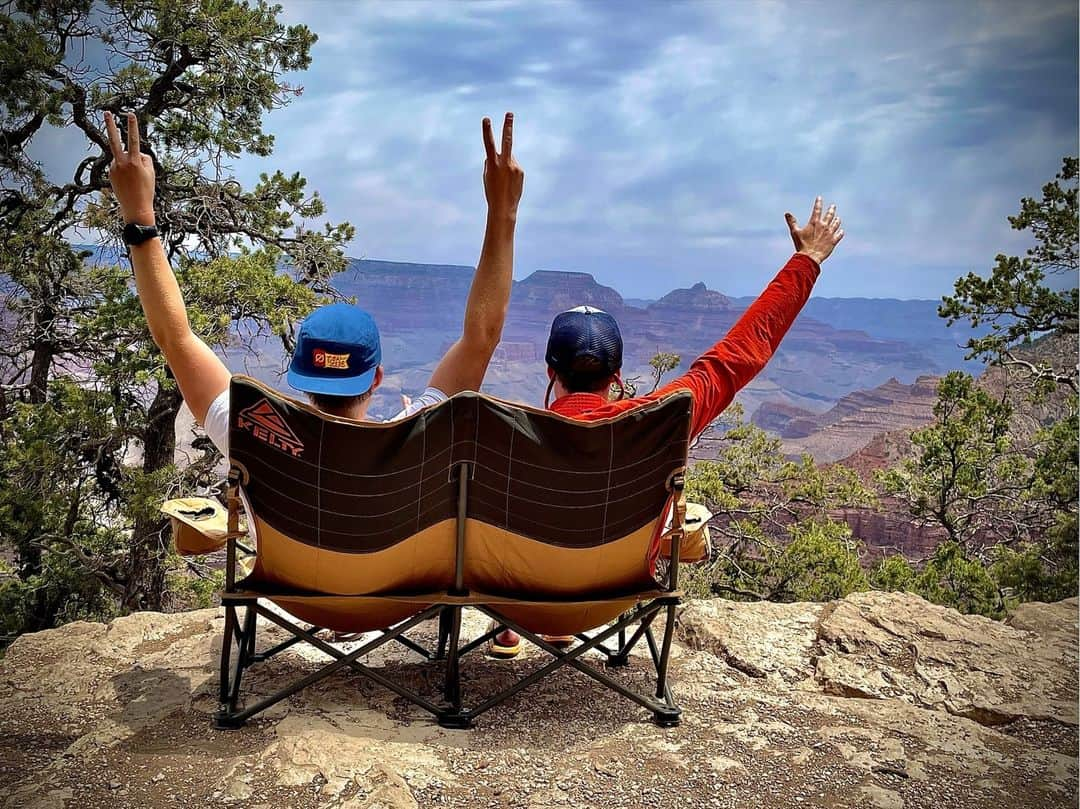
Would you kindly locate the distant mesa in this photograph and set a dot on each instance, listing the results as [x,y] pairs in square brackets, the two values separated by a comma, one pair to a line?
[835,347]
[854,421]
[698,298]
[363,274]
[556,291]
[776,416]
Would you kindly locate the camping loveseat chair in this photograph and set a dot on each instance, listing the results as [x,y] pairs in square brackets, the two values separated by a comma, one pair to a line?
[545,524]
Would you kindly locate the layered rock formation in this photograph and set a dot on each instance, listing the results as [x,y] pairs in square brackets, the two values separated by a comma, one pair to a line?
[551,291]
[697,298]
[879,700]
[420,307]
[774,416]
[889,529]
[853,422]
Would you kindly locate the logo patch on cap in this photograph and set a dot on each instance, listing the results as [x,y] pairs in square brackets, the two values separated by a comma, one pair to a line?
[324,359]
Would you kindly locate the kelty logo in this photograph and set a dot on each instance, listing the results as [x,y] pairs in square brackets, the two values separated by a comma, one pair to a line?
[266,424]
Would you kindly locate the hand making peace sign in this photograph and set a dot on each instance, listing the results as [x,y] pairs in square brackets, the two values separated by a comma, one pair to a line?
[131,173]
[503,177]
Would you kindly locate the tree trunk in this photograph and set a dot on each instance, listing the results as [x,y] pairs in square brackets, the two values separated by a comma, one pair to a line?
[30,553]
[43,351]
[40,365]
[146,581]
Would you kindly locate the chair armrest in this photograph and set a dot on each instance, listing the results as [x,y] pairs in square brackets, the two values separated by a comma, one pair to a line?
[199,524]
[696,545]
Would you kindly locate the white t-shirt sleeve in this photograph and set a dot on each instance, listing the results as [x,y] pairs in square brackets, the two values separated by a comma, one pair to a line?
[429,397]
[216,424]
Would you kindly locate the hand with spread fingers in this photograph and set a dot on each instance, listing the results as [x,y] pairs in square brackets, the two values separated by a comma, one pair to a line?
[503,177]
[131,172]
[820,234]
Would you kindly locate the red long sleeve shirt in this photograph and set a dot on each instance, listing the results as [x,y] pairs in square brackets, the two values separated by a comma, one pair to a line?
[717,375]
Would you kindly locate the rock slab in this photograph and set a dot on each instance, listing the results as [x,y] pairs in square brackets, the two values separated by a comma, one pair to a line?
[878,700]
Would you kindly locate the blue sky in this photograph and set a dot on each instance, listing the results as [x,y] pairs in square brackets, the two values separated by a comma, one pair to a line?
[662,143]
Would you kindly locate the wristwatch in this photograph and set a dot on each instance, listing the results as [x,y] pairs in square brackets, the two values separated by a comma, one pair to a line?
[135,233]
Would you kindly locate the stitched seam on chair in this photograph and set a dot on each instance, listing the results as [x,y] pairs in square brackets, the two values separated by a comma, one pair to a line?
[632,496]
[317,506]
[362,495]
[607,493]
[355,535]
[318,488]
[509,477]
[254,459]
[420,482]
[559,470]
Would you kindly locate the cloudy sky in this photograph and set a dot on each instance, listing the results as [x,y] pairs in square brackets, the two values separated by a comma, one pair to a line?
[662,142]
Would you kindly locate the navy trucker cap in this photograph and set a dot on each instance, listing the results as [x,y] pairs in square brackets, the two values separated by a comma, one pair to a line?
[584,344]
[337,352]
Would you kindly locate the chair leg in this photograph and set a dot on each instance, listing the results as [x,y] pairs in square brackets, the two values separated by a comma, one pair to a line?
[252,629]
[245,648]
[453,717]
[622,656]
[669,717]
[228,685]
[444,634]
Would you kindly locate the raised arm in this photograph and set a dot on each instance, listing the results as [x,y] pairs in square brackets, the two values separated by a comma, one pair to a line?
[718,374]
[201,375]
[466,361]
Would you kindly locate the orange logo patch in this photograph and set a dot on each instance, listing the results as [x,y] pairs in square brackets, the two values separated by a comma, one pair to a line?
[324,359]
[266,424]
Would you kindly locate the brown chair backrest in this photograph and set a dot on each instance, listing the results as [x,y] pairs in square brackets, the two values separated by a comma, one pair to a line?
[554,507]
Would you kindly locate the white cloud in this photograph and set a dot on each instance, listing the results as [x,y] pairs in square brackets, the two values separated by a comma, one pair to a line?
[663,142]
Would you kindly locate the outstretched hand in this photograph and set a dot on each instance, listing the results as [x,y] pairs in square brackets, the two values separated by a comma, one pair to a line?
[503,177]
[131,173]
[820,234]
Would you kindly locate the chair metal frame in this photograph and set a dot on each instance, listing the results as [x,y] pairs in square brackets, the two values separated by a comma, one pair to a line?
[239,636]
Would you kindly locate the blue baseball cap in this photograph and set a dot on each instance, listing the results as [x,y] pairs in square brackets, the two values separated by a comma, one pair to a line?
[337,352]
[584,345]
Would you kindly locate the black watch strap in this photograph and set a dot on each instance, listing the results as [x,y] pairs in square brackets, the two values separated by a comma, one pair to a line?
[135,233]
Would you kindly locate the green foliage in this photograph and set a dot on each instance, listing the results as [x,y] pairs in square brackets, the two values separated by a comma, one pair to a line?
[820,563]
[1008,506]
[950,577]
[193,585]
[86,461]
[965,469]
[58,505]
[1016,301]
[661,363]
[773,535]
[893,574]
[998,472]
[953,578]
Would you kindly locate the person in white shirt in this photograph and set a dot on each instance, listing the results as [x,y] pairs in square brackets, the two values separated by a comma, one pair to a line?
[338,358]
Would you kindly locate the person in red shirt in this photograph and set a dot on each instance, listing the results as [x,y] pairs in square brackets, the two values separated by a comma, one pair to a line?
[584,352]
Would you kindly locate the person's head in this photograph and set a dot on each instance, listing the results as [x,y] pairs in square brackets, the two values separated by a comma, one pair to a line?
[584,353]
[337,360]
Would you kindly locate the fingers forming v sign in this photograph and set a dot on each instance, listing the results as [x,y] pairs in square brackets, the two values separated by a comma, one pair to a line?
[503,177]
[131,172]
[820,235]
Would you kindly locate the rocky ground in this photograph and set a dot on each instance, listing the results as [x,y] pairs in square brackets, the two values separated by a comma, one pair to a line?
[879,700]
